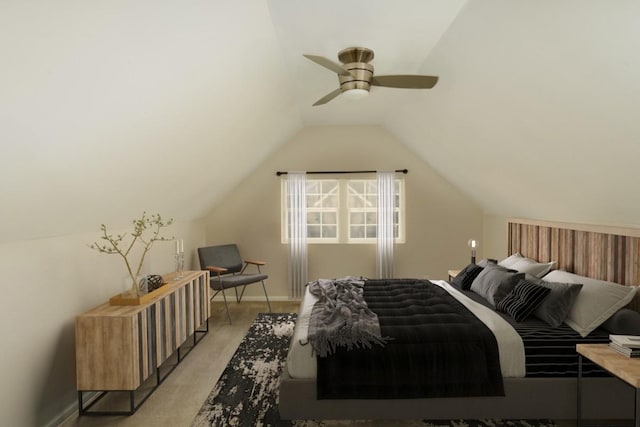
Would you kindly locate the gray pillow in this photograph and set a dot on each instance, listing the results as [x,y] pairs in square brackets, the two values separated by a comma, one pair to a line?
[624,322]
[495,282]
[486,261]
[555,307]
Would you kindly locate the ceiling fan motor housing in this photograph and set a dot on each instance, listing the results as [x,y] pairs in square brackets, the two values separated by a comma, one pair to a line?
[355,54]
[360,78]
[355,60]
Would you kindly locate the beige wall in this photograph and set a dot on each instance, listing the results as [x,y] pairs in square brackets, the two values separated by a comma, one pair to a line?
[439,218]
[45,284]
[495,237]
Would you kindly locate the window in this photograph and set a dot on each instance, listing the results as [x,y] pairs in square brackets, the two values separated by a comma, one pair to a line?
[332,202]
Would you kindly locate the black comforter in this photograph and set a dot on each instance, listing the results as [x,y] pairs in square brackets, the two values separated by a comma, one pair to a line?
[436,348]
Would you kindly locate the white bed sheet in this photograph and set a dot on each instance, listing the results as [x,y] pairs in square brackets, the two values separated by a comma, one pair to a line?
[302,364]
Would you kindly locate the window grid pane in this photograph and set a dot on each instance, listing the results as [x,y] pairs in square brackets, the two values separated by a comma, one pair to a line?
[322,209]
[362,205]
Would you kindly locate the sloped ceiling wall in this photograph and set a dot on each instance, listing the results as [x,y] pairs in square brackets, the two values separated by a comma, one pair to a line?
[110,109]
[536,111]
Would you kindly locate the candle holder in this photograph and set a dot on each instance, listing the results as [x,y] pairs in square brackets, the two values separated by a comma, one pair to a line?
[179,259]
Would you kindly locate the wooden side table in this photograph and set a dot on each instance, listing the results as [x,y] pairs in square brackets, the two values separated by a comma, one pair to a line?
[624,368]
[452,274]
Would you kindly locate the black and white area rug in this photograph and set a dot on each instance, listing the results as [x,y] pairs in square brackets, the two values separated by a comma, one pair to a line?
[247,392]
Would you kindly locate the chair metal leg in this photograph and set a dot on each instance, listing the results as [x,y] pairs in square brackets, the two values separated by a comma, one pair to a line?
[226,305]
[241,293]
[265,295]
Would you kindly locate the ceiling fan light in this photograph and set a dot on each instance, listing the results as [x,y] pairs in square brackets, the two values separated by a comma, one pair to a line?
[355,94]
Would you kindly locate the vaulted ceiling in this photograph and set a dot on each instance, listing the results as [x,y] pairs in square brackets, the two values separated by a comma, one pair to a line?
[107,109]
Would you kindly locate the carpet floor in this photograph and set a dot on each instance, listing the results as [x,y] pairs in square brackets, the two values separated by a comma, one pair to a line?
[247,392]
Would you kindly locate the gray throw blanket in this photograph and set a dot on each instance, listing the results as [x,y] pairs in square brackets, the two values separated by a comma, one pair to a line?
[341,317]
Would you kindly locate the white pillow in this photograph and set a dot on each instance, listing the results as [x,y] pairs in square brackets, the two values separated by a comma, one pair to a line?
[538,269]
[527,265]
[597,301]
[510,260]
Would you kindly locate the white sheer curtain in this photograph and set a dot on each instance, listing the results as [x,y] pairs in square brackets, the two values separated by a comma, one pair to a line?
[297,210]
[385,239]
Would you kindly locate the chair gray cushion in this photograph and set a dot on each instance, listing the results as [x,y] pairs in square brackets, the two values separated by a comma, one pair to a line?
[225,256]
[231,281]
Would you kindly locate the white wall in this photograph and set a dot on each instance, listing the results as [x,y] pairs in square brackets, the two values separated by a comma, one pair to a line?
[45,284]
[439,218]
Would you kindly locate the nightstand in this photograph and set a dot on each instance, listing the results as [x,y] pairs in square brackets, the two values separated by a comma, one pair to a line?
[624,368]
[452,274]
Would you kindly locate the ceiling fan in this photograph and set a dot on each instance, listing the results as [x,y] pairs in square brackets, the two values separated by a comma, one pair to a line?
[356,75]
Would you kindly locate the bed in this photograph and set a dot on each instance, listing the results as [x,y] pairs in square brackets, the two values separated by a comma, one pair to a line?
[529,391]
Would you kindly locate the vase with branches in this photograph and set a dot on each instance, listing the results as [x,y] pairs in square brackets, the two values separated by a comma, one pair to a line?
[146,231]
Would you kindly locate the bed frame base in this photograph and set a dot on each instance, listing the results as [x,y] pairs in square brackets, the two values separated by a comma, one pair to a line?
[525,398]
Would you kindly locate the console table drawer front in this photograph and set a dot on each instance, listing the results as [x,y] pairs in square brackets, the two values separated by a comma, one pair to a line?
[106,354]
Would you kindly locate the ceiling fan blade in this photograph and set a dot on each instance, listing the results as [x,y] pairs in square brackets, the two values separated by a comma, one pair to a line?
[327,63]
[328,97]
[405,81]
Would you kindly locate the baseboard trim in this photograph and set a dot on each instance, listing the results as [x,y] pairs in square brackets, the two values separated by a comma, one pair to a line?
[70,411]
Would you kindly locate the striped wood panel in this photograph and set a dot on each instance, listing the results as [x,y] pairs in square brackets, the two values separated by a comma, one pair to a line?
[595,254]
[174,318]
[118,347]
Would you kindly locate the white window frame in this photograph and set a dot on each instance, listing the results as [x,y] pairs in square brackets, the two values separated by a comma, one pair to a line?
[343,214]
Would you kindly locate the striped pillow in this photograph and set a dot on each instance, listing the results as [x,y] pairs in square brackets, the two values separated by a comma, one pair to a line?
[466,276]
[522,300]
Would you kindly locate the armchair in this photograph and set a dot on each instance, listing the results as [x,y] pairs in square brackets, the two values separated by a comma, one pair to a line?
[227,270]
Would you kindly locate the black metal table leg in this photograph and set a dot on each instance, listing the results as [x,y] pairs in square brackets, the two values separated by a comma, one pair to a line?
[636,418]
[579,394]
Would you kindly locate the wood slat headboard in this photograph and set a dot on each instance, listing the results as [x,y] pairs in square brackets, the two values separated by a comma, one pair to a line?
[600,252]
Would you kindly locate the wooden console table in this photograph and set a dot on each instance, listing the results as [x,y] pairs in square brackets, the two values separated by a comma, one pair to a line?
[118,347]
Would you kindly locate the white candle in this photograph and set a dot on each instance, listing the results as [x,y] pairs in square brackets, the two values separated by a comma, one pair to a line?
[177,246]
[181,246]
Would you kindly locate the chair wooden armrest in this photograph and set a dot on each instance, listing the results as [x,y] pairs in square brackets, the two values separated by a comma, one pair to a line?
[216,269]
[248,261]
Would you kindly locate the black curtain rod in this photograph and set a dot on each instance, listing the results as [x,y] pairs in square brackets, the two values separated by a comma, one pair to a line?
[405,171]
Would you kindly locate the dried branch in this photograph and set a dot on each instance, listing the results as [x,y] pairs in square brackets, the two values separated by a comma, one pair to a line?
[142,226]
